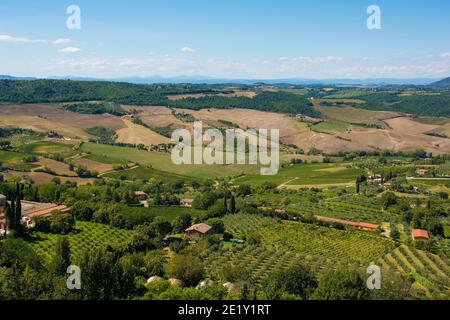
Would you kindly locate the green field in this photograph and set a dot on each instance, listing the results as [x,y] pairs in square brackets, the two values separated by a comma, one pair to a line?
[46,147]
[171,212]
[447,231]
[88,236]
[148,174]
[14,160]
[306,174]
[161,161]
[329,127]
[432,120]
[431,182]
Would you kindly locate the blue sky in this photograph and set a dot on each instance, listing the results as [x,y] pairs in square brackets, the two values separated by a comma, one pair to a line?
[226,38]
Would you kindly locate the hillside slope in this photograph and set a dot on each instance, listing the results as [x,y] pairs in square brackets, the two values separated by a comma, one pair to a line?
[444,83]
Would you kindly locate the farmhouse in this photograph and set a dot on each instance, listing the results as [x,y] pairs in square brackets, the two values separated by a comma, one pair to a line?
[31,210]
[360,225]
[422,172]
[140,195]
[198,231]
[419,234]
[187,202]
[375,180]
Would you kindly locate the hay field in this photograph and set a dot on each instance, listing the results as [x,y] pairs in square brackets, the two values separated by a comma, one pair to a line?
[45,118]
[93,165]
[136,134]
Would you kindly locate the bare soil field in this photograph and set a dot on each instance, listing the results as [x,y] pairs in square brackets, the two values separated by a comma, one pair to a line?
[158,117]
[40,117]
[136,134]
[409,134]
[352,115]
[93,165]
[42,178]
[397,132]
[59,168]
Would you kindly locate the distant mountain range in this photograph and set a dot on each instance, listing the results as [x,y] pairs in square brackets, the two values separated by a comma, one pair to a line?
[6,77]
[445,83]
[212,80]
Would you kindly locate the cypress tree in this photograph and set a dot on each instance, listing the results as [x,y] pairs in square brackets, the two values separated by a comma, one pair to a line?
[233,205]
[18,213]
[61,261]
[225,201]
[358,187]
[9,217]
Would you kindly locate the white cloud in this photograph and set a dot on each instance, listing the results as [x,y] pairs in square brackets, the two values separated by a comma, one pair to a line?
[12,39]
[69,50]
[445,55]
[187,49]
[128,62]
[61,41]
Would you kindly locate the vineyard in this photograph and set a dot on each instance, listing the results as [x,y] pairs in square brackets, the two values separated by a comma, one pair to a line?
[87,236]
[311,240]
[431,272]
[356,208]
[260,261]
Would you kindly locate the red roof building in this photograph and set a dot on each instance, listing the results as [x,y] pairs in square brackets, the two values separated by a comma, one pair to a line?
[419,234]
[198,231]
[359,225]
[31,210]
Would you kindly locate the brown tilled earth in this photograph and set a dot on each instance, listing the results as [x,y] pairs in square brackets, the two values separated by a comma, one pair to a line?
[46,118]
[60,168]
[42,178]
[93,165]
[398,132]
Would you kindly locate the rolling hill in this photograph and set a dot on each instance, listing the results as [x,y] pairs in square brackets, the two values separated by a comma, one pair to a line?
[444,83]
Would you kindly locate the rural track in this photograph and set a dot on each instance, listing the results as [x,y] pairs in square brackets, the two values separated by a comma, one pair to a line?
[286,183]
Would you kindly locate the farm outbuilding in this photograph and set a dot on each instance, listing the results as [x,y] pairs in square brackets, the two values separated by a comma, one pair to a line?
[360,225]
[419,234]
[31,210]
[187,202]
[140,195]
[199,231]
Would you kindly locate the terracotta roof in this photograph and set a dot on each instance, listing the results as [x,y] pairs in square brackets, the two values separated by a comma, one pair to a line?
[364,225]
[420,234]
[201,227]
[140,193]
[46,212]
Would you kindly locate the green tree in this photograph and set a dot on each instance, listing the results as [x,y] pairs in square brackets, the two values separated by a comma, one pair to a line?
[217,225]
[296,282]
[395,233]
[187,268]
[182,222]
[61,260]
[342,284]
[388,199]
